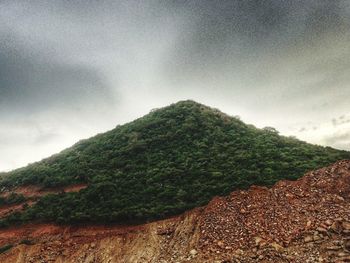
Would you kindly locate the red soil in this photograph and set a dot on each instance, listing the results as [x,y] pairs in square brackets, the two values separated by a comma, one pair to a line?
[307,220]
[37,191]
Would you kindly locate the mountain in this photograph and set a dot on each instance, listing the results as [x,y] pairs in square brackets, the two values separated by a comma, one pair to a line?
[171,160]
[307,220]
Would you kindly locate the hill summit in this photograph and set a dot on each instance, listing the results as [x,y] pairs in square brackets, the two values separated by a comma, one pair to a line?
[171,160]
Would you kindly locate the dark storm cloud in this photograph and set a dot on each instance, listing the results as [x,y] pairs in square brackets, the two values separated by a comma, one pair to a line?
[69,69]
[223,30]
[34,84]
[232,34]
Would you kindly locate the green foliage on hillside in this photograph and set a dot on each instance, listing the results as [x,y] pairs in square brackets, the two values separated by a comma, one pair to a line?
[5,248]
[170,160]
[11,199]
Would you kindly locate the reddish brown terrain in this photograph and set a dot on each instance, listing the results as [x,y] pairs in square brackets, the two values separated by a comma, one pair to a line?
[36,191]
[307,220]
[32,193]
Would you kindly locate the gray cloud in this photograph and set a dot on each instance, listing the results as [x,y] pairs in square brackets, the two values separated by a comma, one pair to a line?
[32,84]
[261,54]
[69,69]
[340,120]
[45,138]
[340,139]
[244,30]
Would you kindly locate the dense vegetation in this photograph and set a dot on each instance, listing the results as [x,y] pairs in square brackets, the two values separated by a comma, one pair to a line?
[170,160]
[12,199]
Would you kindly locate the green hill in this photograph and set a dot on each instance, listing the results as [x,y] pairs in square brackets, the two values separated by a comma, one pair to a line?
[164,163]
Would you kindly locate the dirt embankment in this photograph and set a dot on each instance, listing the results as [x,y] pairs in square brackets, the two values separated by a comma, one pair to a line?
[303,221]
[31,191]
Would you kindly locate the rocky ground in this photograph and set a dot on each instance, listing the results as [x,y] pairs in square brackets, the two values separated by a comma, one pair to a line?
[307,220]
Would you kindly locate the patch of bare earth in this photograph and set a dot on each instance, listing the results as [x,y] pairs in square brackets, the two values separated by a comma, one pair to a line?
[9,209]
[307,220]
[32,193]
[37,191]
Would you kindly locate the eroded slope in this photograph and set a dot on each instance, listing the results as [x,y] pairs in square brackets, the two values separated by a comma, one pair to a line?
[307,220]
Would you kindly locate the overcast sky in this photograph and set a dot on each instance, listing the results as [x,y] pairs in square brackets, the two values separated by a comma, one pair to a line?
[71,69]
